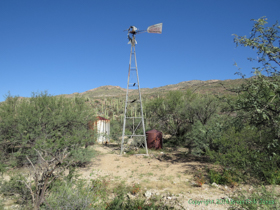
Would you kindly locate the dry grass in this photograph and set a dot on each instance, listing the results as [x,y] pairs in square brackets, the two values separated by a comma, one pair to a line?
[169,173]
[164,172]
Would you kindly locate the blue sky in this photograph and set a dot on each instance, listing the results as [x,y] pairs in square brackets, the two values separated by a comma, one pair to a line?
[67,46]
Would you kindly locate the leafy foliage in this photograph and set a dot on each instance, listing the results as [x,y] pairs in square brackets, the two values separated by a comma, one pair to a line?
[226,177]
[16,189]
[260,198]
[43,122]
[186,117]
[120,202]
[199,178]
[85,195]
[251,144]
[243,151]
[166,114]
[46,133]
[115,130]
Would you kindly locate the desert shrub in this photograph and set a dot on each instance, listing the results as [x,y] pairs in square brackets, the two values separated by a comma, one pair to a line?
[70,195]
[199,178]
[42,122]
[244,151]
[203,136]
[202,114]
[83,195]
[186,117]
[167,115]
[116,130]
[1,205]
[82,156]
[71,192]
[121,201]
[135,188]
[258,198]
[121,188]
[16,188]
[226,177]
[48,134]
[252,144]
[3,168]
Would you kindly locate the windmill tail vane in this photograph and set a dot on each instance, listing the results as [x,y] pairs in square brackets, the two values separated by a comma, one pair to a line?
[157,28]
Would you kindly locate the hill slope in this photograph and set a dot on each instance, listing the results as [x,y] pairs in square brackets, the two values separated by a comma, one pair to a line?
[209,86]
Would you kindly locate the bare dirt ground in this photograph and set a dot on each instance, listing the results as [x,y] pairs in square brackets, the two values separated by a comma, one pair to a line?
[166,174]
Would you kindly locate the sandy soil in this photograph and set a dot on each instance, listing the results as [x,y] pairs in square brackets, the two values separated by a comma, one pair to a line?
[167,173]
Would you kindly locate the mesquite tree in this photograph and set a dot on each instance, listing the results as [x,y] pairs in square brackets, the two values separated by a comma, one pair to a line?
[255,136]
[48,134]
[178,114]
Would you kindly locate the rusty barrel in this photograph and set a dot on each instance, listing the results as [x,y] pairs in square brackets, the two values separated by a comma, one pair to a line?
[154,139]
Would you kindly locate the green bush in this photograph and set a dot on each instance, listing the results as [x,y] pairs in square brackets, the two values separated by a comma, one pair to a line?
[185,116]
[74,193]
[167,115]
[199,178]
[16,189]
[259,198]
[70,195]
[121,201]
[116,130]
[3,168]
[43,122]
[134,189]
[252,143]
[48,133]
[203,136]
[84,195]
[244,151]
[1,205]
[226,177]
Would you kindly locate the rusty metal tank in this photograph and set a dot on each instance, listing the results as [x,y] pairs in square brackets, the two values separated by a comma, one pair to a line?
[154,139]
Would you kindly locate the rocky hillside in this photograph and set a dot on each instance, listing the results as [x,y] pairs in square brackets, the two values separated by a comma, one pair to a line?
[209,86]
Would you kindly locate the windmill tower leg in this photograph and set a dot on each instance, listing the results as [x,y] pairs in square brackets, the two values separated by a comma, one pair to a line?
[131,102]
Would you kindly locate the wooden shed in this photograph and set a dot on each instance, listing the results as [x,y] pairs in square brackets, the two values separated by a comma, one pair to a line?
[102,126]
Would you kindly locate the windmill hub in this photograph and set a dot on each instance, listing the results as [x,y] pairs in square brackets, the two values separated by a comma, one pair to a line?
[132,31]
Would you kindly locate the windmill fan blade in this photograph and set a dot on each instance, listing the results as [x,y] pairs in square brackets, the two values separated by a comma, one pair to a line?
[157,28]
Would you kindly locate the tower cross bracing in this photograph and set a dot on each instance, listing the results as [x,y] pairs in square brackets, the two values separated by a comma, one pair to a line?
[133,125]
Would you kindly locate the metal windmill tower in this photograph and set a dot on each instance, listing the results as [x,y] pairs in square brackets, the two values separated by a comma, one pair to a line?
[133,113]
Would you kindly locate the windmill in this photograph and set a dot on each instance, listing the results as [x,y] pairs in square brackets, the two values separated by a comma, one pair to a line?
[134,120]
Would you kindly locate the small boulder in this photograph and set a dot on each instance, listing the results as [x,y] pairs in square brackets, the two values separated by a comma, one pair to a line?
[148,194]
[130,141]
[215,185]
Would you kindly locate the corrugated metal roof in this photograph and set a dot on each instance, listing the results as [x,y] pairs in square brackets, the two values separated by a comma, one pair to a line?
[101,118]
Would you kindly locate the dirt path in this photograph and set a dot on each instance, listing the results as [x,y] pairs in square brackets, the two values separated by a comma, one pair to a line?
[161,174]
